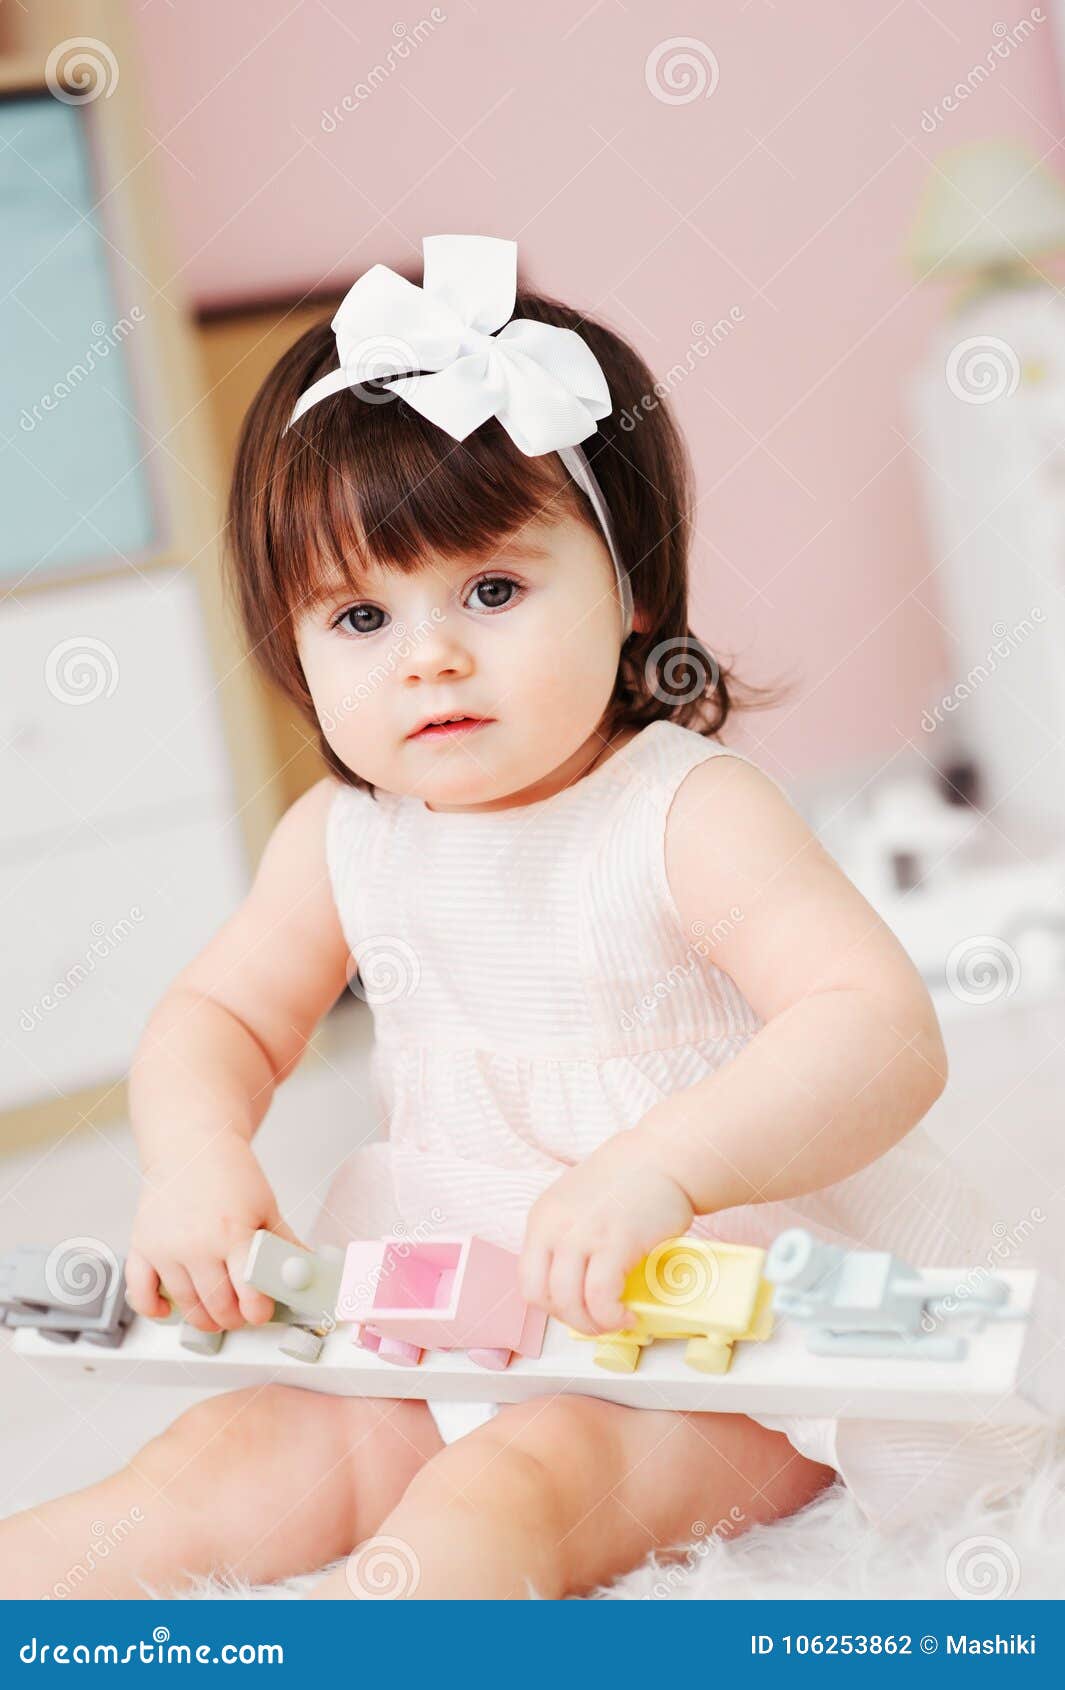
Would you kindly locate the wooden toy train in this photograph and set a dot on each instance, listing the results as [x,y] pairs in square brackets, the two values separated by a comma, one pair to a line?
[403,1299]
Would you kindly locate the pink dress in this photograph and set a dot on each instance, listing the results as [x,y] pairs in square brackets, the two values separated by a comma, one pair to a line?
[533,992]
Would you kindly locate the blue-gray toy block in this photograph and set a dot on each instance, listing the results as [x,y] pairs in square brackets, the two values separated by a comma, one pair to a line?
[71,1291]
[869,1303]
[305,1285]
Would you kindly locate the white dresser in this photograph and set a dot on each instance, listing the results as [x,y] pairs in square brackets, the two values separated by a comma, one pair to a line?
[121,845]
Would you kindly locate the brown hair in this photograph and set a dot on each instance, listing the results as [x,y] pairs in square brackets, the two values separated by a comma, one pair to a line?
[364,476]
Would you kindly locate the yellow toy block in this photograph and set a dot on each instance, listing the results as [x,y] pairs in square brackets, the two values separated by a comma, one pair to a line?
[710,1293]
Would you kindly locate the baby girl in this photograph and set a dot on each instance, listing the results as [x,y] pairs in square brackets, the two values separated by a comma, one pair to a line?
[619,990]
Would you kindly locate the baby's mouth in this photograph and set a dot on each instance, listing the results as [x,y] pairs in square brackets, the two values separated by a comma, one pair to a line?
[444,730]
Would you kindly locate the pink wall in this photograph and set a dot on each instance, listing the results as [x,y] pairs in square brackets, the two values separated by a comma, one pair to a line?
[786,194]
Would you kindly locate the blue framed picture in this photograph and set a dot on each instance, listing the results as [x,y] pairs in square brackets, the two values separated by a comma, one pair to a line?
[74,484]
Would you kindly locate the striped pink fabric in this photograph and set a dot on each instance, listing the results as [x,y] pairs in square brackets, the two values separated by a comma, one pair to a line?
[533,992]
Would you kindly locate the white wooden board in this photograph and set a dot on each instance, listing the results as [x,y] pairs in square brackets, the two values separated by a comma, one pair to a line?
[1014,1370]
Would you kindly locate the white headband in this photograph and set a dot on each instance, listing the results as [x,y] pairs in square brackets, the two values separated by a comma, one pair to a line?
[544,384]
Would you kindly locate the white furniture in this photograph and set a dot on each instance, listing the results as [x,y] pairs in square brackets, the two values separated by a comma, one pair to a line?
[989,442]
[137,770]
[120,846]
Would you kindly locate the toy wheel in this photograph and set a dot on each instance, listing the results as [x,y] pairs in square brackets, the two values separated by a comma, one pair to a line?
[399,1351]
[300,1344]
[200,1343]
[708,1355]
[617,1355]
[497,1360]
[106,1340]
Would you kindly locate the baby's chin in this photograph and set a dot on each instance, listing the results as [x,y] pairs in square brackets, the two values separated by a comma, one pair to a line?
[457,783]
[441,775]
[491,767]
[464,789]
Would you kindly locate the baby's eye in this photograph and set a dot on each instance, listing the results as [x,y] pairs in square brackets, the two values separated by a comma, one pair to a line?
[496,591]
[362,619]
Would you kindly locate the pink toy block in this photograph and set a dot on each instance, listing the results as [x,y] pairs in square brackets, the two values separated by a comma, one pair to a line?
[447,1294]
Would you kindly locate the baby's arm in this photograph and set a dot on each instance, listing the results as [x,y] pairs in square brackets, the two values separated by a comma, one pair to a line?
[851,1056]
[231,1027]
[849,1060]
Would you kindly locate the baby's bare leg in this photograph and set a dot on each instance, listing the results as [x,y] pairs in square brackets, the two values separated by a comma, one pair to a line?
[265,1482]
[568,1493]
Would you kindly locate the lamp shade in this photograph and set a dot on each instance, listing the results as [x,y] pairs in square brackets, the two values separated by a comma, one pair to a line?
[987,203]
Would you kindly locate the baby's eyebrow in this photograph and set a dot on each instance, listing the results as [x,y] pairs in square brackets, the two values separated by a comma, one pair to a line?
[331,587]
[521,545]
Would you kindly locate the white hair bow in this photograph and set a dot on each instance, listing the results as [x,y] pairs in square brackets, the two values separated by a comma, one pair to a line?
[544,384]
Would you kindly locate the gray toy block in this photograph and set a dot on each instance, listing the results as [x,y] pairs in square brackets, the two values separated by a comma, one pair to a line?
[305,1285]
[47,1280]
[869,1303]
[71,1291]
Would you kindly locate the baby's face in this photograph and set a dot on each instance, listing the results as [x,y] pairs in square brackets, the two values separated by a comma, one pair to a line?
[526,644]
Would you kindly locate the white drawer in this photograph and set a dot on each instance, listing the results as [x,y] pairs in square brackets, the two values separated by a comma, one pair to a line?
[93,937]
[108,706]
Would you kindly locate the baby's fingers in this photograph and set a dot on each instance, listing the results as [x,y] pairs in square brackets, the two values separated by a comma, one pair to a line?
[255,1306]
[603,1285]
[568,1268]
[533,1273]
[216,1294]
[179,1288]
[142,1288]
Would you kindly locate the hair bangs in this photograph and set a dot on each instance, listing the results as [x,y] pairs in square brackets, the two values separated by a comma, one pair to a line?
[385,488]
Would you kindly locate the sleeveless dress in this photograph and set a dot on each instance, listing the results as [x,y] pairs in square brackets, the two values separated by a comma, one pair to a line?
[533,993]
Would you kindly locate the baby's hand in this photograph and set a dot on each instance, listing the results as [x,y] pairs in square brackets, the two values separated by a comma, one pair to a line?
[592,1226]
[197,1213]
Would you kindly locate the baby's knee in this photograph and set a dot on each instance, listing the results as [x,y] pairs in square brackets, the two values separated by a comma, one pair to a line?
[206,1452]
[277,1424]
[523,1465]
[561,1430]
[324,1466]
[219,1429]
[479,1490]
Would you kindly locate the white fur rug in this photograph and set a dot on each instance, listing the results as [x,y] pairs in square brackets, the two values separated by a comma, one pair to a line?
[1013,1548]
